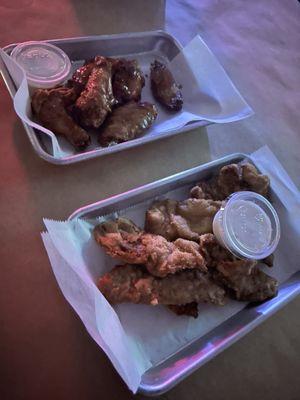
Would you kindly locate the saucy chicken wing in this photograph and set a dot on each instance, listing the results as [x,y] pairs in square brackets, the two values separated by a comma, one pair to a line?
[49,107]
[127,122]
[96,100]
[164,88]
[128,81]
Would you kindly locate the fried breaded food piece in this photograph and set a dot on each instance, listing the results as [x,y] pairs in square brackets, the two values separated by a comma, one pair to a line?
[190,309]
[159,256]
[246,280]
[131,283]
[127,122]
[128,81]
[96,100]
[164,88]
[212,251]
[49,107]
[186,219]
[232,178]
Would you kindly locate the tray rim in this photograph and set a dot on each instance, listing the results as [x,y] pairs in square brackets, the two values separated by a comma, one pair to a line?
[74,158]
[256,315]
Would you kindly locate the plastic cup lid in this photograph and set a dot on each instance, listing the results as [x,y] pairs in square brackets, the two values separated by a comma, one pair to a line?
[251,225]
[45,64]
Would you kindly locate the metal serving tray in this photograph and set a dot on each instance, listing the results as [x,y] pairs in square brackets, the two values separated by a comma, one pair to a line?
[145,46]
[176,367]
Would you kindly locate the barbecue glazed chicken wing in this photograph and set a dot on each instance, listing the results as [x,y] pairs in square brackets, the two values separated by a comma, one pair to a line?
[127,122]
[49,107]
[96,100]
[164,88]
[128,81]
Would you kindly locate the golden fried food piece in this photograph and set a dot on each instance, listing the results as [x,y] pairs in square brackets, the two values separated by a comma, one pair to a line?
[213,252]
[190,309]
[159,256]
[131,283]
[232,178]
[96,100]
[164,88]
[128,81]
[246,281]
[127,122]
[49,107]
[254,181]
[186,219]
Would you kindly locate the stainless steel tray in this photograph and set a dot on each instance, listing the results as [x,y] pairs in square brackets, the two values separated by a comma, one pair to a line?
[172,370]
[145,46]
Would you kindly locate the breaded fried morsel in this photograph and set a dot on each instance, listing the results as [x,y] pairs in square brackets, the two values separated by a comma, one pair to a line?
[232,178]
[190,309]
[243,278]
[131,283]
[159,256]
[186,219]
[246,280]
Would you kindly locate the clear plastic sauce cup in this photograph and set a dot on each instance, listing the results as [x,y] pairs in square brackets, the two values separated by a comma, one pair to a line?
[45,65]
[248,226]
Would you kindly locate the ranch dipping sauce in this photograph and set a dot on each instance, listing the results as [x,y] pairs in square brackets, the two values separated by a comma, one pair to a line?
[45,65]
[248,226]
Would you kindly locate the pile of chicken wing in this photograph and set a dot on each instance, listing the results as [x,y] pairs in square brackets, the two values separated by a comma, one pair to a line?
[176,260]
[104,96]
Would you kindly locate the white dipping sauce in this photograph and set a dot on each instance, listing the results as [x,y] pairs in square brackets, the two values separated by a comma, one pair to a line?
[249,225]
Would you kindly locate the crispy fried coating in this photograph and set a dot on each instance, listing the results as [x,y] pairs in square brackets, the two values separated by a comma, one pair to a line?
[190,309]
[246,281]
[127,122]
[164,88]
[186,219]
[128,81]
[96,100]
[232,178]
[49,107]
[159,256]
[131,283]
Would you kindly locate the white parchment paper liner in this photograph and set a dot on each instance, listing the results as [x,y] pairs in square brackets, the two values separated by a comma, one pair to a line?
[208,95]
[135,337]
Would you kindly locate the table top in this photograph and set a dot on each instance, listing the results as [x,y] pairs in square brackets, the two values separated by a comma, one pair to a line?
[45,350]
